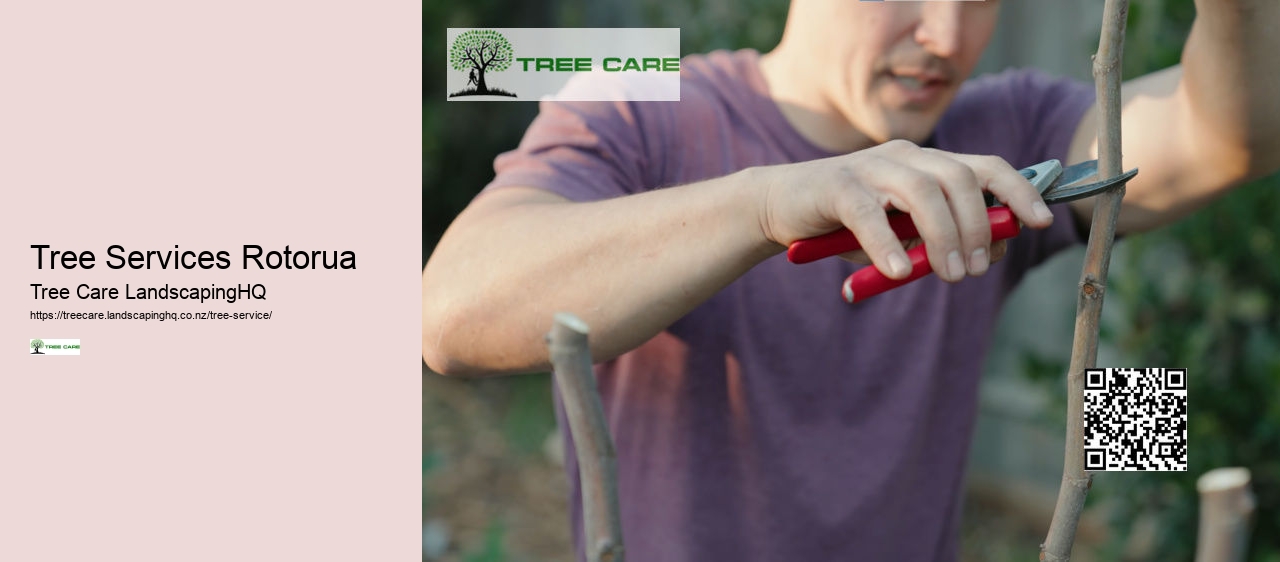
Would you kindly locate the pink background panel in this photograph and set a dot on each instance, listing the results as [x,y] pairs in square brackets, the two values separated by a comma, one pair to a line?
[212,125]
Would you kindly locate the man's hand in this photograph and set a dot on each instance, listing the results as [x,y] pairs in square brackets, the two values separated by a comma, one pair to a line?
[630,279]
[942,191]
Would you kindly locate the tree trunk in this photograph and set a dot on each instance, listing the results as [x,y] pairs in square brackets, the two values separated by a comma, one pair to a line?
[480,87]
[1076,481]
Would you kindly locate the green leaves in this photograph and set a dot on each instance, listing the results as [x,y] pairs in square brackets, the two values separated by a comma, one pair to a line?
[1221,324]
[483,49]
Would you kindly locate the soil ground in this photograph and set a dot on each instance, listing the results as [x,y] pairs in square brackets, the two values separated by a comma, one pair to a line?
[494,489]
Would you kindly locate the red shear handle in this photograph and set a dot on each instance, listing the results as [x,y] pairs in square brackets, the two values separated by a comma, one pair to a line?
[843,240]
[869,282]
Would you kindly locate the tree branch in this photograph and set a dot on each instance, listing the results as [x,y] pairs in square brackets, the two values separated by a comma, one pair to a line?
[1084,351]
[474,64]
[1226,505]
[597,462]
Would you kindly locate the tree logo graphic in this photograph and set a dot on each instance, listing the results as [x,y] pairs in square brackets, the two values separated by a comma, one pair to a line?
[36,345]
[477,52]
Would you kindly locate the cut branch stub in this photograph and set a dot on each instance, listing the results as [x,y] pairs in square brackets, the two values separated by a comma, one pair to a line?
[1226,508]
[597,462]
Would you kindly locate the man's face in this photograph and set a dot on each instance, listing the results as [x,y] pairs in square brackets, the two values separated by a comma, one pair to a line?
[893,67]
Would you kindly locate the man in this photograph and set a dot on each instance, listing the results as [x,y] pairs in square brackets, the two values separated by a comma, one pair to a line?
[756,416]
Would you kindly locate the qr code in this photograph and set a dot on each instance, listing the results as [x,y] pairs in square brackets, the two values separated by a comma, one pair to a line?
[1135,419]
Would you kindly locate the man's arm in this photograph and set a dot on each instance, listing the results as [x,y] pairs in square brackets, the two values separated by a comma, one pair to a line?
[627,266]
[630,266]
[1198,129]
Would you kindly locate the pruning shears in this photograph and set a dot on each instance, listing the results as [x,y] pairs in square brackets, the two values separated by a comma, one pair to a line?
[1055,184]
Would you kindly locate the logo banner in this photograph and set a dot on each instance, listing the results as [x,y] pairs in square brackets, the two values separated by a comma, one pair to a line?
[53,347]
[580,64]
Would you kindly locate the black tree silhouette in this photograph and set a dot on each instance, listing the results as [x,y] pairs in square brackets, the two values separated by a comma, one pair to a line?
[36,345]
[479,51]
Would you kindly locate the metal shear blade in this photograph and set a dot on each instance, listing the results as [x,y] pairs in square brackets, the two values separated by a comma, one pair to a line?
[1072,184]
[1059,185]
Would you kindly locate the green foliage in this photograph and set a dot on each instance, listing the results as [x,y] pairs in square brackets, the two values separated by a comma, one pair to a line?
[482,49]
[706,25]
[528,418]
[1201,294]
[491,550]
[460,140]
[1155,34]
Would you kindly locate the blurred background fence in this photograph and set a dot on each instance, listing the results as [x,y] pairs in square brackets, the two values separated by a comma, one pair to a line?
[1201,294]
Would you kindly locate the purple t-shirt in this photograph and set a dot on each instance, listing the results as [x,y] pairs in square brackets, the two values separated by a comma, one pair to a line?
[774,421]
